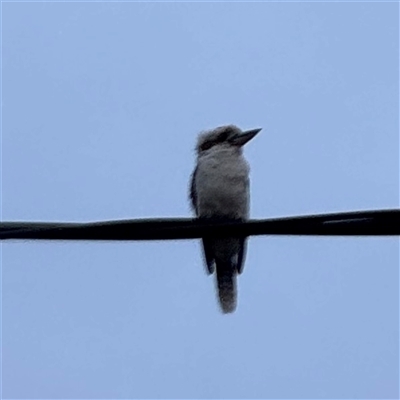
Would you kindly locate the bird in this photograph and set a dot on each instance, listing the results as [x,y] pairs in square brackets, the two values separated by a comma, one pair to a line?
[219,190]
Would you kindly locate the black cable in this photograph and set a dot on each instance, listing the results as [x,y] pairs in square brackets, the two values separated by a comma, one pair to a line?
[359,223]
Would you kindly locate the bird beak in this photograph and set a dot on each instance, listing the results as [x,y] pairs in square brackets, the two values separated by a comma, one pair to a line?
[244,137]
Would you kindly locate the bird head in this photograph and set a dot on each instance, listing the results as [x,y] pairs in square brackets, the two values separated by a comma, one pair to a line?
[227,135]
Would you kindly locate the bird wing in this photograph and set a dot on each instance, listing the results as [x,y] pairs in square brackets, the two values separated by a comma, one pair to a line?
[207,243]
[193,194]
[209,255]
[243,245]
[241,256]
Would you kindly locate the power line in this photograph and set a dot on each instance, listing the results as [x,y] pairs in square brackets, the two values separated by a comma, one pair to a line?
[358,223]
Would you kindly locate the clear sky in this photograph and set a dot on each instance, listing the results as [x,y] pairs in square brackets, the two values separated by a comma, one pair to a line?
[101,106]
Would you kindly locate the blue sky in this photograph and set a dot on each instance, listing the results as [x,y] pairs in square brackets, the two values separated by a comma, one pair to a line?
[101,105]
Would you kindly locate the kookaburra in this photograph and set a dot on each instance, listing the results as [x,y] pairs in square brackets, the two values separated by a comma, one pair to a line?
[220,190]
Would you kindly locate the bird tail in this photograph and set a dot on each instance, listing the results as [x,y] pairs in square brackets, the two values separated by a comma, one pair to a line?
[226,282]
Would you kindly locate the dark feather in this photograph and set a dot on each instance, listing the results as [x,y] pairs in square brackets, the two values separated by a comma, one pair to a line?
[241,255]
[193,194]
[209,255]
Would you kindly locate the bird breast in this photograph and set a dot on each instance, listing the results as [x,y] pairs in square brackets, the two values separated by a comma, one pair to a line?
[222,185]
